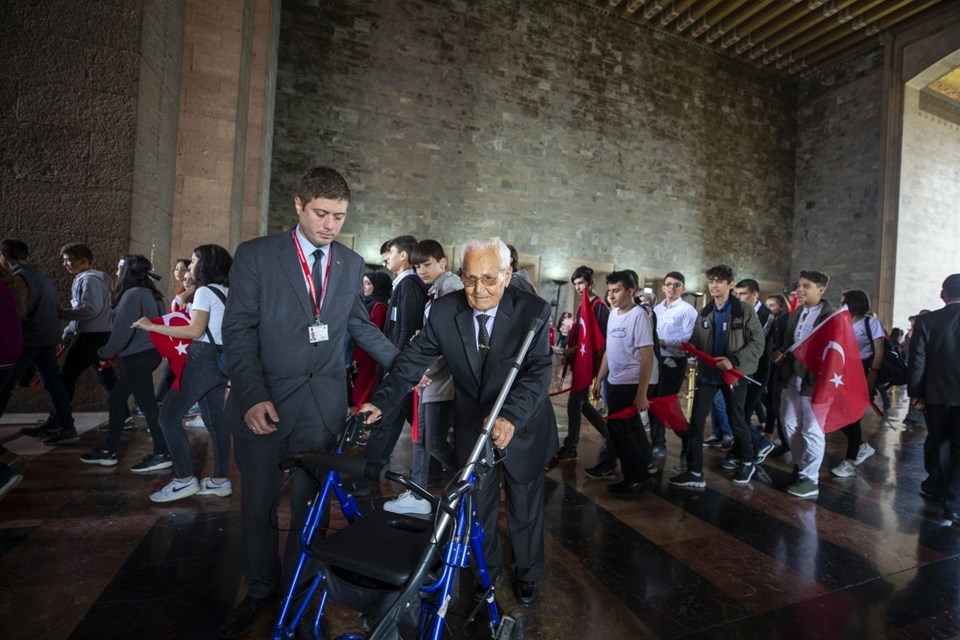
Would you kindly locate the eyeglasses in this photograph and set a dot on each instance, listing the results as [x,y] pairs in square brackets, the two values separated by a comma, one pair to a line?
[488,281]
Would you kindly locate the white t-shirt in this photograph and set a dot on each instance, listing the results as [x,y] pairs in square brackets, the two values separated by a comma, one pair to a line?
[206,300]
[626,334]
[860,330]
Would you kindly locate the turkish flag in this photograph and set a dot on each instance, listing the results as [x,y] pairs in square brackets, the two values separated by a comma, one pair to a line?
[730,376]
[666,409]
[173,349]
[831,353]
[589,340]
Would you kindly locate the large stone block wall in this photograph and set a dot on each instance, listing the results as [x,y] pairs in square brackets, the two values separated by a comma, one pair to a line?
[929,216]
[835,223]
[574,135]
[77,125]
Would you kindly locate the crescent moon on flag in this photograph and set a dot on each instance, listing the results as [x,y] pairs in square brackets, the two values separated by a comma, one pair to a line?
[834,345]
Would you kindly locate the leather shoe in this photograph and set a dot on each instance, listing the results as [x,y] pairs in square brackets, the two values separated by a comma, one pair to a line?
[626,489]
[241,619]
[527,592]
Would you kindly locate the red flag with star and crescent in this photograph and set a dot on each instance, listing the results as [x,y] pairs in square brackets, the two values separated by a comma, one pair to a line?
[589,340]
[173,349]
[831,353]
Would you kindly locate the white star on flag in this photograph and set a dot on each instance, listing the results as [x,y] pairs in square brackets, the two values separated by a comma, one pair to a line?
[837,380]
[181,348]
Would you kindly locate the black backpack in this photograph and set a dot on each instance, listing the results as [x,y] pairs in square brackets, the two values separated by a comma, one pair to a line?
[893,370]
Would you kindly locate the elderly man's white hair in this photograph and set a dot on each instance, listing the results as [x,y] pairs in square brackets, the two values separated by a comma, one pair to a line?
[484,244]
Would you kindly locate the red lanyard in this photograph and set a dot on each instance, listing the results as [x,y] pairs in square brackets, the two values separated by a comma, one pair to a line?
[309,276]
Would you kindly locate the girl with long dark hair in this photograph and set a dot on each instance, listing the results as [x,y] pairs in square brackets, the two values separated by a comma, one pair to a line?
[134,295]
[201,381]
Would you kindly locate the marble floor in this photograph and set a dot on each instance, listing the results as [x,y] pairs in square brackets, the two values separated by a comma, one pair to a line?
[85,554]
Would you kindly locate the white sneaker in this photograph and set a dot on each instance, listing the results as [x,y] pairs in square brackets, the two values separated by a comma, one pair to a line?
[196,422]
[844,470]
[864,452]
[176,490]
[210,488]
[408,503]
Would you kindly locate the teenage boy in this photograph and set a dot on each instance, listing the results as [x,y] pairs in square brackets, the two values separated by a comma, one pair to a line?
[675,321]
[631,372]
[435,416]
[41,331]
[404,319]
[730,331]
[578,403]
[804,434]
[90,322]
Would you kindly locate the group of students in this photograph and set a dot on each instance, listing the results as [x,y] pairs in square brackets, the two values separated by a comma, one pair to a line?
[110,320]
[644,349]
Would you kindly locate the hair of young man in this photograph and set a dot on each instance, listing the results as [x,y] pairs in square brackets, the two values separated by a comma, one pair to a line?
[951,286]
[77,251]
[857,301]
[322,182]
[636,281]
[426,249]
[816,277]
[676,275]
[13,249]
[514,257]
[404,243]
[624,278]
[721,271]
[213,265]
[751,285]
[583,271]
[485,244]
[385,247]
[135,271]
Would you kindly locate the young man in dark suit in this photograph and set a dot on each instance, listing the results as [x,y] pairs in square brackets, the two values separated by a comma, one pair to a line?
[479,331]
[293,297]
[934,387]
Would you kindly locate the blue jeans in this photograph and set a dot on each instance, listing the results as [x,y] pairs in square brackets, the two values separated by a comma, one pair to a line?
[719,421]
[202,383]
[45,359]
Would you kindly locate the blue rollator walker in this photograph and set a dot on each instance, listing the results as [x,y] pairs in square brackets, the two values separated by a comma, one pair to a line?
[399,570]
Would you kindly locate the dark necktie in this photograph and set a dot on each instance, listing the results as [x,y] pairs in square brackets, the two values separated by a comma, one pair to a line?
[483,338]
[317,275]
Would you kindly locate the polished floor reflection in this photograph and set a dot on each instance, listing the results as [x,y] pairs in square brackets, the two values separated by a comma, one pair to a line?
[85,554]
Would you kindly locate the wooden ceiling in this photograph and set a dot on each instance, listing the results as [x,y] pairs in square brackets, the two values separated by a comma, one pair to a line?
[788,37]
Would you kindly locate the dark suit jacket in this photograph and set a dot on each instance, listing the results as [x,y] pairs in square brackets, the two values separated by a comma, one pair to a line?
[405,310]
[935,357]
[450,333]
[265,334]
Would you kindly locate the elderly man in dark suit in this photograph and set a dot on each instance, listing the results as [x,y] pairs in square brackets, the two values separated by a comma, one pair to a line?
[934,387]
[293,297]
[479,331]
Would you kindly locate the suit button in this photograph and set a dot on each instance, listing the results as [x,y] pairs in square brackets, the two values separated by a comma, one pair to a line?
[309,375]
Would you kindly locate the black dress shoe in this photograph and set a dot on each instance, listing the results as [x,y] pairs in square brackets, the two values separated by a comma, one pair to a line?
[527,592]
[241,619]
[927,490]
[626,489]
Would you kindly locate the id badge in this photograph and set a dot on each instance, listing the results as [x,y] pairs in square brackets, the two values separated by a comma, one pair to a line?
[318,333]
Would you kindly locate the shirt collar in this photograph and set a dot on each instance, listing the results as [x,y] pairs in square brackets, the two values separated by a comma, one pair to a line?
[489,312]
[401,276]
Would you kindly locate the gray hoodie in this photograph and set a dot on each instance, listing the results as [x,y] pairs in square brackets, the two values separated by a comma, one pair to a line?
[89,310]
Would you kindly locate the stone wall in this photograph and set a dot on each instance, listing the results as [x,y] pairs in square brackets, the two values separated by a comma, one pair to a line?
[835,222]
[929,224]
[576,136]
[77,129]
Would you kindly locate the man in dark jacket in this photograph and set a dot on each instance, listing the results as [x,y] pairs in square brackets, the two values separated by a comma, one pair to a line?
[730,331]
[934,387]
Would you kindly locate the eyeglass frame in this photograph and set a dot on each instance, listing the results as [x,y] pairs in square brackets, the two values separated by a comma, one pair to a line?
[472,281]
